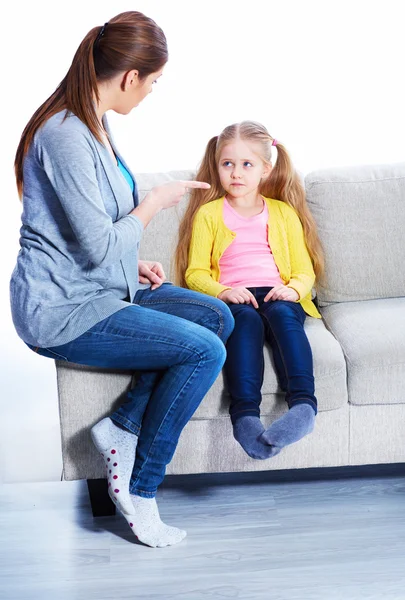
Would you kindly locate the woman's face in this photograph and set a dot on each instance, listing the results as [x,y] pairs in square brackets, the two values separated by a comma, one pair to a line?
[134,90]
[145,86]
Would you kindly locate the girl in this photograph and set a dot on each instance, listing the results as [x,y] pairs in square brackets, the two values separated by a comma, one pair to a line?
[251,241]
[79,292]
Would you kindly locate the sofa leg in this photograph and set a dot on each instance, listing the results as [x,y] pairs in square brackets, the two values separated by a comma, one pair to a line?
[101,503]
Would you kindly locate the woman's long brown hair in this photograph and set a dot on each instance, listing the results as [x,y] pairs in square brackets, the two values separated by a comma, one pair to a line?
[129,41]
[283,184]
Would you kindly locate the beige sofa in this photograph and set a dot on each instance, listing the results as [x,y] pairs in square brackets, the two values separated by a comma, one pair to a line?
[358,346]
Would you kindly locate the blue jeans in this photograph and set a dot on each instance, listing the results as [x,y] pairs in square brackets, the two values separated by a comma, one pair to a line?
[281,324]
[175,338]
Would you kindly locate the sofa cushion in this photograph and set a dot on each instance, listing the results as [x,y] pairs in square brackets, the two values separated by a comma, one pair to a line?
[360,213]
[329,370]
[372,336]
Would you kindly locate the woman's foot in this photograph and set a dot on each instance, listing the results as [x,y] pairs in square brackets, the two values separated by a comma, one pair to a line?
[291,427]
[147,526]
[247,431]
[117,447]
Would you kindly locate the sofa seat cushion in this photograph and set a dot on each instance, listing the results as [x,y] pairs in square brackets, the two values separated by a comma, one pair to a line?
[372,336]
[329,370]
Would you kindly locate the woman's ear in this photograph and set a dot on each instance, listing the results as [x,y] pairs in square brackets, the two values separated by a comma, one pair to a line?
[130,80]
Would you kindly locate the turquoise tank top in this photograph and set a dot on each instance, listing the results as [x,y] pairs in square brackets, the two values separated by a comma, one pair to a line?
[126,174]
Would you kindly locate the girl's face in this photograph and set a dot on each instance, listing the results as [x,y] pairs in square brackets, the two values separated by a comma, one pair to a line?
[241,168]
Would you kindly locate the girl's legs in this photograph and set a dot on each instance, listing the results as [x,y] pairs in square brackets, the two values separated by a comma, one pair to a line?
[190,358]
[244,376]
[244,365]
[284,330]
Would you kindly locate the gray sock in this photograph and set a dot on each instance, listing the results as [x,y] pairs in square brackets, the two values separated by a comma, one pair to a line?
[117,447]
[247,431]
[291,427]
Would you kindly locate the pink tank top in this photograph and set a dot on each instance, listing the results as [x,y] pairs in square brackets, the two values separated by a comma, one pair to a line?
[248,261]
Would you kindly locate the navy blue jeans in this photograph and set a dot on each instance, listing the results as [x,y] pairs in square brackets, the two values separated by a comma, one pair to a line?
[281,324]
[175,339]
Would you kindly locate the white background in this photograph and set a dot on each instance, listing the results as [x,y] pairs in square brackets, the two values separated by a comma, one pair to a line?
[326,78]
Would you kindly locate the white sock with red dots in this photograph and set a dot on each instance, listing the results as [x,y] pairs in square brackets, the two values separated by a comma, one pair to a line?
[147,526]
[117,447]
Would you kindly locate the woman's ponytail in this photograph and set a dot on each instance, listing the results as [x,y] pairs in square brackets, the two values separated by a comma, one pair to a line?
[75,92]
[81,83]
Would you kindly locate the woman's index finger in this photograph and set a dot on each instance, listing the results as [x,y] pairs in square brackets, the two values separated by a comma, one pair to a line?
[197,184]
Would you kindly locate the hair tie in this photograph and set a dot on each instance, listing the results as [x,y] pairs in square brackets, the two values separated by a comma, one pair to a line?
[101,33]
[274,142]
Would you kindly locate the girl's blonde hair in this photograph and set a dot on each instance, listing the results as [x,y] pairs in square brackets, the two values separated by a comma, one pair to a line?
[283,184]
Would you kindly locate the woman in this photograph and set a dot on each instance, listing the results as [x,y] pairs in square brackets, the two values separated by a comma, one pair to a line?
[80,293]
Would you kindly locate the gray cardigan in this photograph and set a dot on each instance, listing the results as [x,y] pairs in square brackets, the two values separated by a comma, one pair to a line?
[78,260]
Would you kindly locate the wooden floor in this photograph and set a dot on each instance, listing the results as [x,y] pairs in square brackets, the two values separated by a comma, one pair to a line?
[339,538]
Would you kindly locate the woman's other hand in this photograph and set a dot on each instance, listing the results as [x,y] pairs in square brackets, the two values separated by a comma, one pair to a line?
[151,272]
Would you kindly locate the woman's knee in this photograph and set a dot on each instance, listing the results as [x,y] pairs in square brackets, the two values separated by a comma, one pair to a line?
[220,319]
[228,322]
[210,348]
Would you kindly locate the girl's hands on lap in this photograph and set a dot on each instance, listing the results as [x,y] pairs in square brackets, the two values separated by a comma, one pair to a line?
[282,292]
[238,295]
[151,271]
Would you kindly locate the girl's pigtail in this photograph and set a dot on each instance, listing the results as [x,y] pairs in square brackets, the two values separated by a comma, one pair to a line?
[285,184]
[207,172]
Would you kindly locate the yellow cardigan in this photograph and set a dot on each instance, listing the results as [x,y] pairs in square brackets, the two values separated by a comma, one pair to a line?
[211,237]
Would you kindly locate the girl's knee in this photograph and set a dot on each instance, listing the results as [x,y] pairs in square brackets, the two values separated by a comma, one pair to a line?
[247,316]
[281,309]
